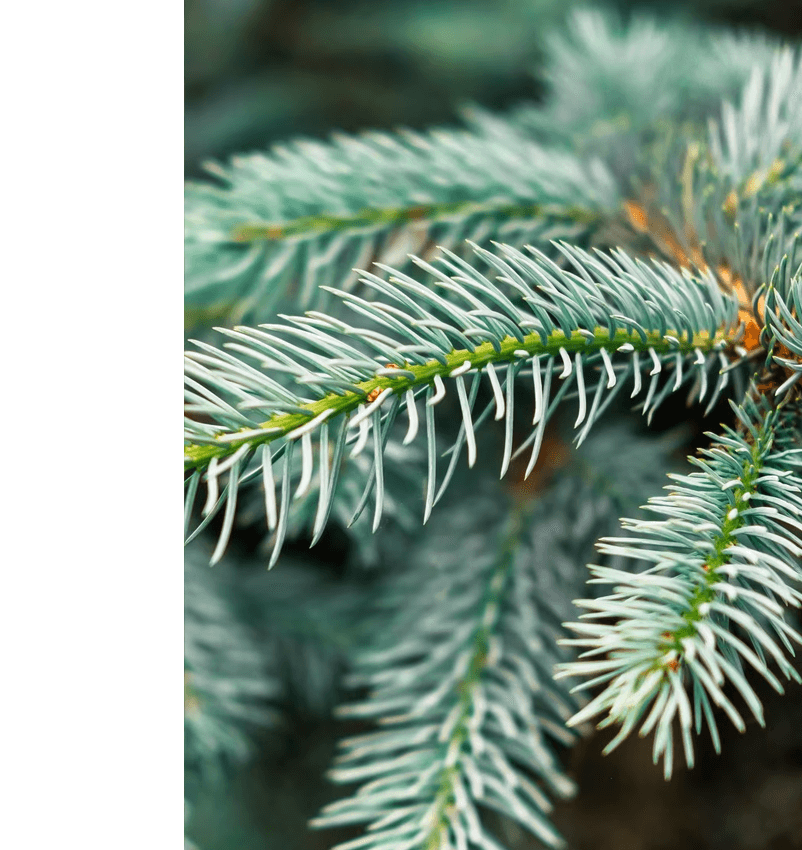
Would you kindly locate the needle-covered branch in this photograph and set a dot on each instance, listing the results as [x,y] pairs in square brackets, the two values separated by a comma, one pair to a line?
[590,331]
[725,564]
[287,223]
[459,673]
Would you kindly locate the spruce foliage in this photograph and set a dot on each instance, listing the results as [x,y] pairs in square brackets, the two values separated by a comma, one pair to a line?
[521,284]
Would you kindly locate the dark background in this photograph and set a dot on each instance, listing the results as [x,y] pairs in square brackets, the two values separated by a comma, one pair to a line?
[259,71]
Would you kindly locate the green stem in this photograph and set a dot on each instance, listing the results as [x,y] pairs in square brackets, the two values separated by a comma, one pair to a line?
[488,618]
[731,520]
[197,456]
[369,218]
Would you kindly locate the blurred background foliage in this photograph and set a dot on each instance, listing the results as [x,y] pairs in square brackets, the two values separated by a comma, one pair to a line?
[261,71]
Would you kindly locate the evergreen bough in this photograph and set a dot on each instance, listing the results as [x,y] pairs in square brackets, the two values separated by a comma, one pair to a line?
[564,259]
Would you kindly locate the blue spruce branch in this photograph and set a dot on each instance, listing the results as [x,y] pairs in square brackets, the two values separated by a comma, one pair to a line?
[610,320]
[459,673]
[726,564]
[285,225]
